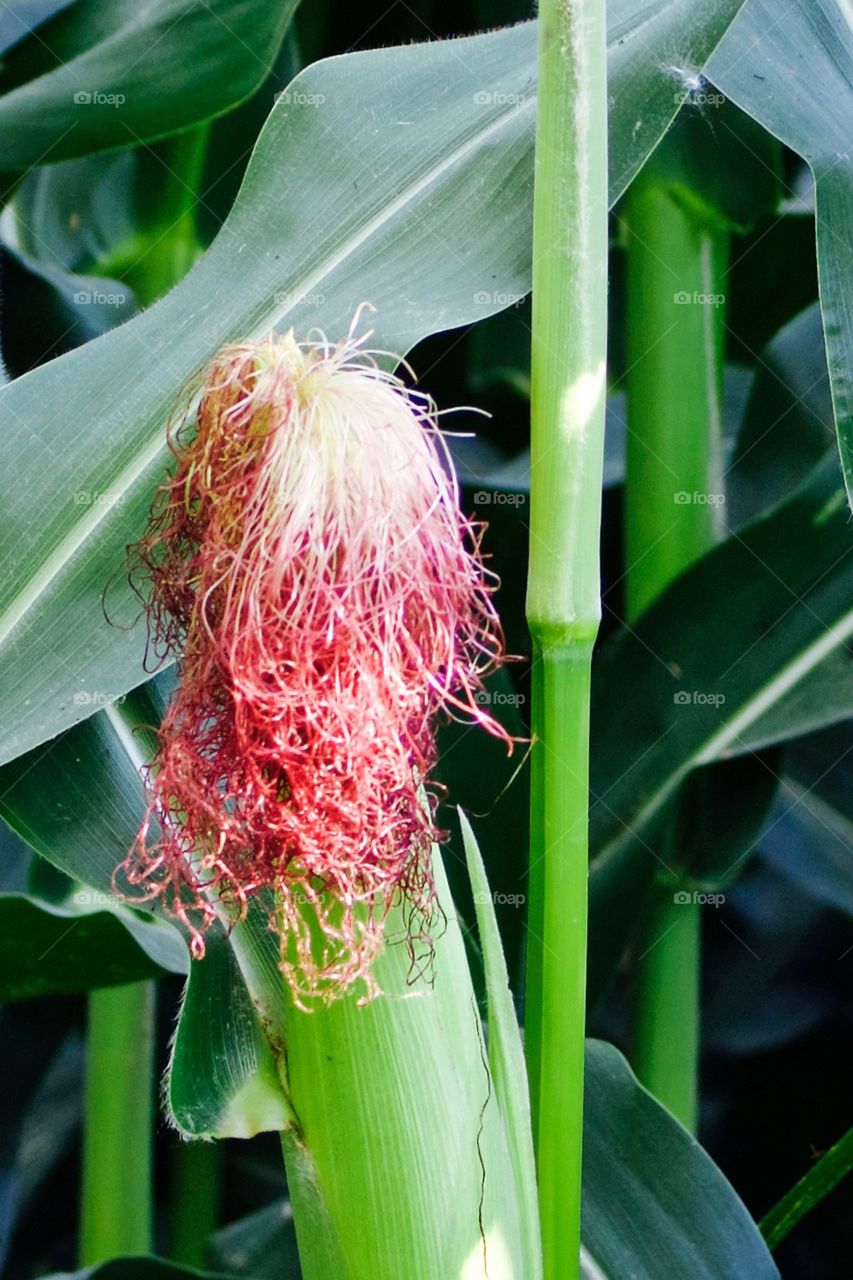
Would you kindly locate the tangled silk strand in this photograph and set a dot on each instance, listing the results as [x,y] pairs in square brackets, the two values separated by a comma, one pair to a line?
[311,568]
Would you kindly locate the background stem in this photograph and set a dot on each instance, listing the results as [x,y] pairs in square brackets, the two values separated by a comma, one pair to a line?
[119,1102]
[676,264]
[195,1192]
[834,1165]
[563,601]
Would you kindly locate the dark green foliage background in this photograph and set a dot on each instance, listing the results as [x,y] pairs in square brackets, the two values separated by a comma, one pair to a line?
[778,1036]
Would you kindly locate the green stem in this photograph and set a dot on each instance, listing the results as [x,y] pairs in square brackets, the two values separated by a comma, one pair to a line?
[119,1107]
[674,336]
[563,603]
[834,1165]
[666,1033]
[196,1185]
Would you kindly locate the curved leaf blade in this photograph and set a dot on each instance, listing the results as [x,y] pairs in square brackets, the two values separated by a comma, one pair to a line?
[654,1204]
[792,71]
[693,685]
[50,950]
[209,57]
[147,1267]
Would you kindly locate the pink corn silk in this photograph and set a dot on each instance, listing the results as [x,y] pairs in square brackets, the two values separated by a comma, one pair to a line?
[312,570]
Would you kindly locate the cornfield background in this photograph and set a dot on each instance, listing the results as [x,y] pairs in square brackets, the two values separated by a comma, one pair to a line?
[184,174]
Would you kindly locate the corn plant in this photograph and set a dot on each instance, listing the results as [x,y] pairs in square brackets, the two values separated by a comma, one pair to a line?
[424,824]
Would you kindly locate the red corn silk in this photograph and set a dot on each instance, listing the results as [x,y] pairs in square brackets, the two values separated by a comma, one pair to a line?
[311,569]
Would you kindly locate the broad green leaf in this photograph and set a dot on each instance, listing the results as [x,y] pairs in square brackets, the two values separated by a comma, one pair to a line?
[208,57]
[79,800]
[791,69]
[654,1204]
[401,177]
[646,46]
[506,1055]
[46,949]
[691,683]
[823,696]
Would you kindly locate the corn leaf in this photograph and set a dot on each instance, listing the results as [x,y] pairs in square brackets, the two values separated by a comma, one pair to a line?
[397,176]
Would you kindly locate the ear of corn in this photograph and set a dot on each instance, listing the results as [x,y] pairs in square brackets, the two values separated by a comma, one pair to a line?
[400,1159]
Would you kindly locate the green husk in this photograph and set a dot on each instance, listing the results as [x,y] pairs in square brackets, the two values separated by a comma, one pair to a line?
[399,1160]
